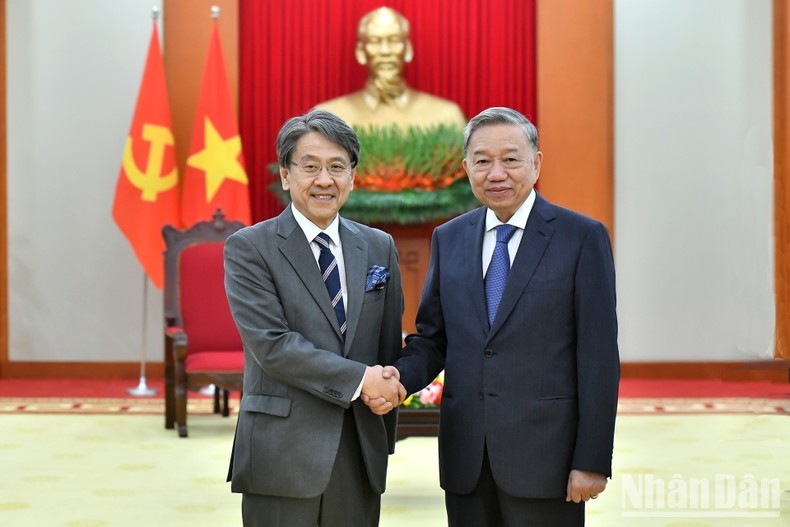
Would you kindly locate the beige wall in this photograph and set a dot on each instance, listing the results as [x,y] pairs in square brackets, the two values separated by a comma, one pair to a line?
[694,179]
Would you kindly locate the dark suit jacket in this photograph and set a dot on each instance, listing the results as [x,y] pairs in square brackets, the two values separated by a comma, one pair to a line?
[299,374]
[539,388]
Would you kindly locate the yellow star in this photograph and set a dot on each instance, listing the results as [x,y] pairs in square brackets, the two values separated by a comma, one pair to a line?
[218,159]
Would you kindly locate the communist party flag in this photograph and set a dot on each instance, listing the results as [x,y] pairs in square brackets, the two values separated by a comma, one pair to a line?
[215,176]
[146,195]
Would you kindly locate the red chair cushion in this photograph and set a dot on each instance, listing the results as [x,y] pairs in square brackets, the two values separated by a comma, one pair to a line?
[225,360]
[205,314]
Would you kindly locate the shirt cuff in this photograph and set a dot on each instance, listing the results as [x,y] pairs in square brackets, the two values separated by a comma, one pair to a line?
[359,389]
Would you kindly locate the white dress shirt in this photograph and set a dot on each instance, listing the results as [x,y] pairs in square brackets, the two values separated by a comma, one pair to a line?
[519,219]
[311,230]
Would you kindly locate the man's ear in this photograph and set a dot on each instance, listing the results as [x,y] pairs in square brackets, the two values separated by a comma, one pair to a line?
[409,54]
[360,53]
[537,163]
[284,178]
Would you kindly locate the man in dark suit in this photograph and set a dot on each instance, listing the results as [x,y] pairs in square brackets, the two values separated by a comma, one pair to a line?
[518,308]
[318,302]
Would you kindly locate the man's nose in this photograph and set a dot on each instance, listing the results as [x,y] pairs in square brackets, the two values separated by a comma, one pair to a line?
[324,178]
[497,171]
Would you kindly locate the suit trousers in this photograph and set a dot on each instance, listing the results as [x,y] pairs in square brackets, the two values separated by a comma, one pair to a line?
[348,501]
[488,506]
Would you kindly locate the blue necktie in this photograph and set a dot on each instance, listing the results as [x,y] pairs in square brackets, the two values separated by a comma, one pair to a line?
[498,269]
[331,277]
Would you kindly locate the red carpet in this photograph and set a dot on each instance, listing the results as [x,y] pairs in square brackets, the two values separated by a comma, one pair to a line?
[93,396]
[702,388]
[641,388]
[72,387]
[112,388]
[637,396]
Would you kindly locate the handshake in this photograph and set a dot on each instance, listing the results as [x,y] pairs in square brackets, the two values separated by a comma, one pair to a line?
[381,389]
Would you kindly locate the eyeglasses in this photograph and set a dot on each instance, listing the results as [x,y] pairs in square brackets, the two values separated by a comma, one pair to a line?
[335,169]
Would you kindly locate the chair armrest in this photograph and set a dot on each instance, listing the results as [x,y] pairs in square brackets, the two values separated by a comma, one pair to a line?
[178,337]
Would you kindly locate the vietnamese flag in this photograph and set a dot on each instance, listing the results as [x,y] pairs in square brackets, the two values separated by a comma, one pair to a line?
[215,176]
[146,195]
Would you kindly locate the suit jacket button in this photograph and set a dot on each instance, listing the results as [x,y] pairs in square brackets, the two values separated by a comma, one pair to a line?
[489,354]
[481,395]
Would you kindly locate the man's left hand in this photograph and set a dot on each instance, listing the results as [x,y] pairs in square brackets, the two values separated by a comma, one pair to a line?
[583,485]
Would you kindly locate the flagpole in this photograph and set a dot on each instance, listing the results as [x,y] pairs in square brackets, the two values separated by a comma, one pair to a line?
[211,389]
[142,389]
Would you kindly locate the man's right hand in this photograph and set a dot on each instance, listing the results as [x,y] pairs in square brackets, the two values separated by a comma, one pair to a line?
[381,389]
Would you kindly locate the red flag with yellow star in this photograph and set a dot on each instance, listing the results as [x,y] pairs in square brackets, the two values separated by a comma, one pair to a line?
[215,176]
[146,195]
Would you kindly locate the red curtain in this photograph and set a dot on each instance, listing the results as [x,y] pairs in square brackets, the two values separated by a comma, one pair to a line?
[294,54]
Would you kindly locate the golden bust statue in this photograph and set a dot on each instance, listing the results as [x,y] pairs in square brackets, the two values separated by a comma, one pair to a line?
[384,47]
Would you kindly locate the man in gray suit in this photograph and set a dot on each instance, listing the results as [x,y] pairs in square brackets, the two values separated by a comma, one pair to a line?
[318,302]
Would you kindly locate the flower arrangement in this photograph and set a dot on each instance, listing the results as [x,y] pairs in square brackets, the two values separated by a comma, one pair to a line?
[394,160]
[407,176]
[428,397]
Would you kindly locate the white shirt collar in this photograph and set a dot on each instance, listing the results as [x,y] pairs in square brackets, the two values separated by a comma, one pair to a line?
[519,219]
[311,230]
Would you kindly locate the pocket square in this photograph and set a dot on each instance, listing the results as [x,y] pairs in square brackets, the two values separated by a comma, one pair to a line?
[377,278]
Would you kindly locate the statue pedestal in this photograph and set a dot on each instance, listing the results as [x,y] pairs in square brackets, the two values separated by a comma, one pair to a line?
[423,422]
[414,250]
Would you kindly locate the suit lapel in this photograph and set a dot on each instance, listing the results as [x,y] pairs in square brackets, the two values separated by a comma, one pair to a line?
[296,250]
[355,256]
[530,251]
[472,262]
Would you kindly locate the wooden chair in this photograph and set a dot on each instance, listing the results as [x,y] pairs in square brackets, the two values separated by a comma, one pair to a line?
[202,345]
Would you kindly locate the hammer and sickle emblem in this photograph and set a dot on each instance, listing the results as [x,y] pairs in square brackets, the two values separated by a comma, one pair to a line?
[151,182]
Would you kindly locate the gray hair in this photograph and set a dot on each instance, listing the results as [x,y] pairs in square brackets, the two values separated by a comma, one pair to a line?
[325,123]
[501,115]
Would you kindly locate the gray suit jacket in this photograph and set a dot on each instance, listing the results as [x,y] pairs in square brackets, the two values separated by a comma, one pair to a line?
[299,373]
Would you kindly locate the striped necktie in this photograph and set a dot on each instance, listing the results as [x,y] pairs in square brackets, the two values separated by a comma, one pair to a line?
[498,269]
[331,276]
